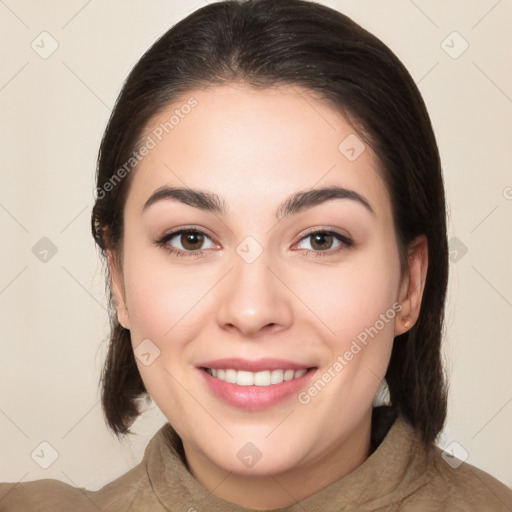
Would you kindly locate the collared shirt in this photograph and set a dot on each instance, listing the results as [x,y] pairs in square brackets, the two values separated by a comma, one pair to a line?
[399,475]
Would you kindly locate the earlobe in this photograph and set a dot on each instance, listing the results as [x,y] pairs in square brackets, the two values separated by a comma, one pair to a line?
[413,285]
[118,291]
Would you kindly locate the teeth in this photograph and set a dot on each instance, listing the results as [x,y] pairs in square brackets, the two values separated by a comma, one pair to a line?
[264,378]
[276,376]
[288,375]
[231,376]
[244,378]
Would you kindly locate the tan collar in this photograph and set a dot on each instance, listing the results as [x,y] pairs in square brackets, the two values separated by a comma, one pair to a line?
[393,471]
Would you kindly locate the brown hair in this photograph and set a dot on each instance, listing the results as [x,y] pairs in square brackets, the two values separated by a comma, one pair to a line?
[264,43]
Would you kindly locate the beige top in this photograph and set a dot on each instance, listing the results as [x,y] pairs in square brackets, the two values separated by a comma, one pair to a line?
[398,476]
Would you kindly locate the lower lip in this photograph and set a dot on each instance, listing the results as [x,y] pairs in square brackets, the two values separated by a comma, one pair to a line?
[255,398]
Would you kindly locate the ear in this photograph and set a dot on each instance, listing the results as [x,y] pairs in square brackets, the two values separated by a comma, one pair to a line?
[117,286]
[412,285]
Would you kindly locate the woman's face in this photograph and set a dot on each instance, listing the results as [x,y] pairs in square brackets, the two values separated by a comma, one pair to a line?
[314,285]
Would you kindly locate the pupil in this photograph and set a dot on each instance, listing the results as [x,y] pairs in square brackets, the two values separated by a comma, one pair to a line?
[319,238]
[191,238]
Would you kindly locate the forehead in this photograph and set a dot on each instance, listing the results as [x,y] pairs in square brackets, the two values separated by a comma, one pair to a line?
[247,144]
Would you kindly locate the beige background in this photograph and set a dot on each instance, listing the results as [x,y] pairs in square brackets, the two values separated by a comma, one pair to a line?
[53,319]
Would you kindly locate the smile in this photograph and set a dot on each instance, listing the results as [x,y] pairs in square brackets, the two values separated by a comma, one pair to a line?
[255,385]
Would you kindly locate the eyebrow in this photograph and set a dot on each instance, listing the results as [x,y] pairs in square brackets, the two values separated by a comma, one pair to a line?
[298,202]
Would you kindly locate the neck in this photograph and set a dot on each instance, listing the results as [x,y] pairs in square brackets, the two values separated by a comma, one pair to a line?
[283,489]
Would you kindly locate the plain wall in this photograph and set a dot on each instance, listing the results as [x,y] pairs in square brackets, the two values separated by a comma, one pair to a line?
[53,313]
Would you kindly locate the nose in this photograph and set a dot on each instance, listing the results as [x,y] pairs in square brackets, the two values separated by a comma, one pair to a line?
[254,301]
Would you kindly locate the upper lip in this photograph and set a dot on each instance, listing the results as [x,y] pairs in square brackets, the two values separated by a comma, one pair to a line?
[253,366]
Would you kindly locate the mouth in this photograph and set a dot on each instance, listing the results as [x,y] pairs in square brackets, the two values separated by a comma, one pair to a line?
[255,385]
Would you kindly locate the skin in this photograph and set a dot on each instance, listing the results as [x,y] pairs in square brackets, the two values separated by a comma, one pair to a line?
[254,149]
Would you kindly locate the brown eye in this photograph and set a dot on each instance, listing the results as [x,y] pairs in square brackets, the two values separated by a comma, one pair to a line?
[191,240]
[322,241]
[328,242]
[186,242]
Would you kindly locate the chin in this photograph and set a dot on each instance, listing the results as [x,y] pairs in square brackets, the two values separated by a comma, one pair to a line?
[253,460]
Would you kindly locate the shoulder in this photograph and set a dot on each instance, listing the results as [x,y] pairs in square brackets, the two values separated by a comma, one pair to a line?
[131,491]
[55,496]
[427,479]
[455,485]
[40,495]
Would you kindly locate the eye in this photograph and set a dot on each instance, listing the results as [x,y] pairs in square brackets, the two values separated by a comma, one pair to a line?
[325,241]
[186,242]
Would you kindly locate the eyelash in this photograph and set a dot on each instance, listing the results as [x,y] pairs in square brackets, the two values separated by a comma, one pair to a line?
[346,243]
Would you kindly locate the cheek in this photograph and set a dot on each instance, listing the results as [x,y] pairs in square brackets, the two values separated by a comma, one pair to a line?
[160,296]
[352,297]
[164,305]
[357,310]
[357,304]
[161,301]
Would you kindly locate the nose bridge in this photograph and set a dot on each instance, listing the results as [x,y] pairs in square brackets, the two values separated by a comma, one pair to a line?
[252,297]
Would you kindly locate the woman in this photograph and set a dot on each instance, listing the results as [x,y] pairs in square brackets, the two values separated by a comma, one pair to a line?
[271,208]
